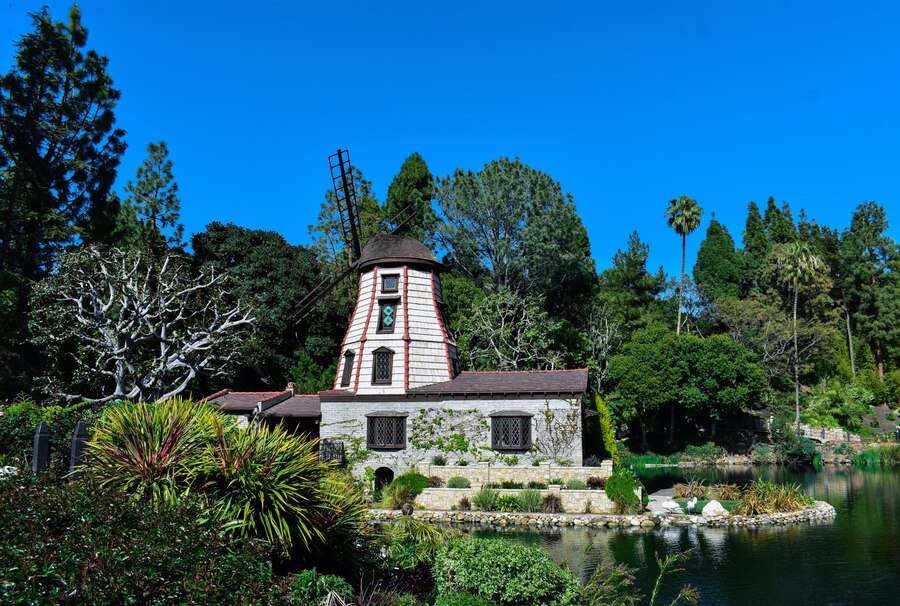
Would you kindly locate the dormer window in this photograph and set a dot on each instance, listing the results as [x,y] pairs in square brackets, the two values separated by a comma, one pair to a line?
[348,368]
[387,315]
[390,283]
[382,366]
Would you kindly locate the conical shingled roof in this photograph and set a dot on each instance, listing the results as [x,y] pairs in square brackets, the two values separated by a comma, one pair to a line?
[385,249]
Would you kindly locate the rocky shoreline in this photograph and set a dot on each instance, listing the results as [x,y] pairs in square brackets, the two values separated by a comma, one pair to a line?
[819,511]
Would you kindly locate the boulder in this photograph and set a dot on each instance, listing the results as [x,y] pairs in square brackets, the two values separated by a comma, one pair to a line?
[671,506]
[714,509]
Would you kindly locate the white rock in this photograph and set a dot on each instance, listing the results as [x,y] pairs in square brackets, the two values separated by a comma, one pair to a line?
[671,506]
[714,509]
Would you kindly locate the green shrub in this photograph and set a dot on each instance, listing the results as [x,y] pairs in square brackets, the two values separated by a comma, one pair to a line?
[509,504]
[311,587]
[551,503]
[486,499]
[607,431]
[77,543]
[458,482]
[439,460]
[412,480]
[576,484]
[558,481]
[762,454]
[398,497]
[462,598]
[510,485]
[409,542]
[530,500]
[537,485]
[620,489]
[507,574]
[593,461]
[706,453]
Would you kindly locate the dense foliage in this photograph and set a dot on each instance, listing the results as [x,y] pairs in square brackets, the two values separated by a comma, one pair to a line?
[81,544]
[504,573]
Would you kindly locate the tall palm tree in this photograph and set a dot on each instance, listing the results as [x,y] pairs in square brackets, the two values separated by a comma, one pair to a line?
[683,215]
[796,263]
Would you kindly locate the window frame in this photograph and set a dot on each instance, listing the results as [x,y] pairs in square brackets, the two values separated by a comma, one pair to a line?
[384,287]
[347,375]
[396,419]
[381,328]
[390,355]
[525,429]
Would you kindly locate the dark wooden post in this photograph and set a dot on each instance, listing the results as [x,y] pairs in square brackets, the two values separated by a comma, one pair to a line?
[79,439]
[40,457]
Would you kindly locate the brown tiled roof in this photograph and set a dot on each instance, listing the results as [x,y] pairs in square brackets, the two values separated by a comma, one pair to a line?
[241,402]
[385,248]
[297,406]
[510,382]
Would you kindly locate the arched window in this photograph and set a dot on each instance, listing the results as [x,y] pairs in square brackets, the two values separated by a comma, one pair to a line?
[349,356]
[382,366]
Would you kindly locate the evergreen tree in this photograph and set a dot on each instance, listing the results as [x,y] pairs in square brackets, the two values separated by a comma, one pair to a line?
[59,150]
[872,280]
[153,205]
[756,248]
[628,291]
[718,270]
[779,223]
[408,205]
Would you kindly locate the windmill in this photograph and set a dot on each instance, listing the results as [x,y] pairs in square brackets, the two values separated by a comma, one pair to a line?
[345,200]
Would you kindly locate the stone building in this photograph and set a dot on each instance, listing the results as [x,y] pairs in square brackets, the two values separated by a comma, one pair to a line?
[399,397]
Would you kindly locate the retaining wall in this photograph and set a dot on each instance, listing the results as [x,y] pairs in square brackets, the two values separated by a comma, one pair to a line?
[486,473]
[575,501]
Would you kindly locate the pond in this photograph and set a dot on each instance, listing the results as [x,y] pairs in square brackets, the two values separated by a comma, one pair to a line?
[854,559]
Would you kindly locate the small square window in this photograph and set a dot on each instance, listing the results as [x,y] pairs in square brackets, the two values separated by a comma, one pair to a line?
[511,433]
[390,283]
[386,432]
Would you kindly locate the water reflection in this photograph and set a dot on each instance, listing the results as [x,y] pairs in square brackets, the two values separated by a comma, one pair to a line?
[854,559]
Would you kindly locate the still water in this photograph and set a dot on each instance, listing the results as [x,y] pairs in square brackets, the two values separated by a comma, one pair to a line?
[854,559]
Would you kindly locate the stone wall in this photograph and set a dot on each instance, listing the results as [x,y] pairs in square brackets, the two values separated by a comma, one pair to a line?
[574,501]
[346,422]
[494,473]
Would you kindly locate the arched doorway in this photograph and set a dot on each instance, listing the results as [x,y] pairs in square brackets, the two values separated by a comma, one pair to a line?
[383,477]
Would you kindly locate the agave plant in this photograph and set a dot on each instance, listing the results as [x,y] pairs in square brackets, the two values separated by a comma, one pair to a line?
[264,482]
[149,450]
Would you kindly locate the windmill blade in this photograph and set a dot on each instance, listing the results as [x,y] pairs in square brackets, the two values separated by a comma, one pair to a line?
[345,198]
[320,291]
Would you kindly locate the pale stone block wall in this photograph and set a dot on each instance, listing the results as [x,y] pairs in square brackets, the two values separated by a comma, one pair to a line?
[346,422]
[573,501]
[487,473]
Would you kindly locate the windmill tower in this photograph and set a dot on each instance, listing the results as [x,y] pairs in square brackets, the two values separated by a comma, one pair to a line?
[398,337]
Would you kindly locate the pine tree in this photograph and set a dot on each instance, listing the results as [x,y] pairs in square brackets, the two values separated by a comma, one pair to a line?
[59,149]
[408,205]
[718,272]
[153,203]
[756,248]
[779,223]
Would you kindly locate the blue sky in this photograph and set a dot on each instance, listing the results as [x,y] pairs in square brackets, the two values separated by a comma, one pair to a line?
[627,104]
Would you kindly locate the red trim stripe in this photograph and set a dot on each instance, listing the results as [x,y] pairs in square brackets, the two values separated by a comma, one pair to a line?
[341,357]
[405,329]
[362,340]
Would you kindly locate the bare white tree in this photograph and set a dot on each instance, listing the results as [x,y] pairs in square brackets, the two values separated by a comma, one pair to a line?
[508,331]
[555,439]
[127,325]
[604,339]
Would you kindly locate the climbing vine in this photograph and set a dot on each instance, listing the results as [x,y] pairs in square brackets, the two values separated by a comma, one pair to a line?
[454,433]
